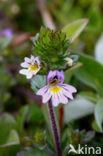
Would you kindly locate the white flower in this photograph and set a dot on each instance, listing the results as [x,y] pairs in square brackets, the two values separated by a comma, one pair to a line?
[32,66]
[69,61]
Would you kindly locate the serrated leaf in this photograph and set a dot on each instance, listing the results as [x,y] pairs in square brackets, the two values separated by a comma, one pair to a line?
[77,108]
[99,114]
[74,29]
[38,82]
[13,139]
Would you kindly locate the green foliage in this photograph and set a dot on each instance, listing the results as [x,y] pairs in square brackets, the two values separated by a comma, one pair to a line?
[99,114]
[38,82]
[51,46]
[91,73]
[74,29]
[24,115]
[13,139]
[39,137]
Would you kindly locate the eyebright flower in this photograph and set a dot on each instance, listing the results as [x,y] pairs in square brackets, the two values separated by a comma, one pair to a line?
[32,66]
[56,90]
[7,33]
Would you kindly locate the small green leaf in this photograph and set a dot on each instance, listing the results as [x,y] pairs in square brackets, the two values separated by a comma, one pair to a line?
[99,114]
[74,29]
[95,126]
[38,82]
[13,139]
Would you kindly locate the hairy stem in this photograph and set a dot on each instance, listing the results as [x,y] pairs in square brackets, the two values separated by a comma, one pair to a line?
[55,129]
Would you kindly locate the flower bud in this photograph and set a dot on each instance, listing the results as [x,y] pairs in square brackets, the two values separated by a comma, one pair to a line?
[69,61]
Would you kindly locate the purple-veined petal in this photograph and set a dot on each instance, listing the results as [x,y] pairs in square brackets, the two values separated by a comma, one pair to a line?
[32,59]
[67,93]
[69,88]
[55,100]
[50,76]
[46,97]
[37,60]
[42,91]
[28,60]
[54,73]
[60,75]
[25,65]
[62,98]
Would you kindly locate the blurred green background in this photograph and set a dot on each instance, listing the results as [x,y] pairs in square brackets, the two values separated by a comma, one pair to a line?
[20,113]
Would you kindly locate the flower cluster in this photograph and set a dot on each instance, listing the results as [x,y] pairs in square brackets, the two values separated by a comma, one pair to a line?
[54,90]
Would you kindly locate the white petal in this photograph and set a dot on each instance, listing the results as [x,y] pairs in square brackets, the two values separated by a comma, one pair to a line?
[23,71]
[69,88]
[62,98]
[27,59]
[42,91]
[38,60]
[55,100]
[46,96]
[25,65]
[29,75]
[32,59]
[67,93]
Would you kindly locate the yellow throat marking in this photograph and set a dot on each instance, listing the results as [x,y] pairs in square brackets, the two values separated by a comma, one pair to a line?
[34,67]
[55,89]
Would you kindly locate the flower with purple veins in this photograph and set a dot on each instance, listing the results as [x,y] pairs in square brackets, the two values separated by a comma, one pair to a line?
[32,66]
[7,33]
[56,90]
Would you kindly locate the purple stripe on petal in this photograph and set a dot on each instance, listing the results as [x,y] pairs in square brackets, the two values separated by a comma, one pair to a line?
[42,91]
[25,65]
[63,99]
[61,75]
[54,73]
[67,93]
[55,100]
[69,88]
[27,59]
[46,97]
[51,75]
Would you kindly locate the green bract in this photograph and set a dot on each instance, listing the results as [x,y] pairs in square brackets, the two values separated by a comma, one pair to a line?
[51,46]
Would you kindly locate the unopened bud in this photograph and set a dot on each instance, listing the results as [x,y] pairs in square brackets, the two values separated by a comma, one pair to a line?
[69,61]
